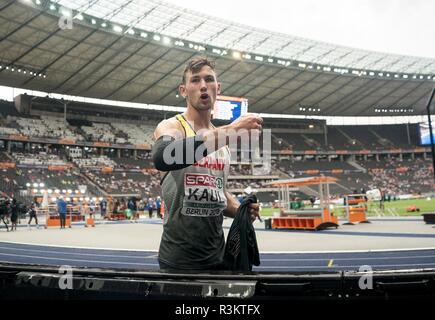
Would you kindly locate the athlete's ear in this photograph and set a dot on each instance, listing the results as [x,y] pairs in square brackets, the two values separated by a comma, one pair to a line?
[182,90]
[219,88]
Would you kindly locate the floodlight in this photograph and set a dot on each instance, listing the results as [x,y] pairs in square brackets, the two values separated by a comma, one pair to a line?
[65,13]
[237,55]
[117,29]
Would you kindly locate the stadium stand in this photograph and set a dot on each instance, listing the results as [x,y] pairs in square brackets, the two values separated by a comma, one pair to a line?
[108,170]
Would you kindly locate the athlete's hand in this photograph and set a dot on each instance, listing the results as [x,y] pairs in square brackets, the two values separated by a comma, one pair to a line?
[254,211]
[249,121]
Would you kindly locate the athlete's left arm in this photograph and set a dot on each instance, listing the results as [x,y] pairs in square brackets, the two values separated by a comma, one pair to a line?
[233,204]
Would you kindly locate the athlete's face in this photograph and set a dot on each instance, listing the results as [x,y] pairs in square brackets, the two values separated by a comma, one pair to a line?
[201,88]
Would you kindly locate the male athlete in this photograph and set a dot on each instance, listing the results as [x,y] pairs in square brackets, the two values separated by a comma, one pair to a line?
[195,160]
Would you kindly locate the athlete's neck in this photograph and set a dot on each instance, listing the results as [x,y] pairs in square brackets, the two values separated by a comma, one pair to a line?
[199,118]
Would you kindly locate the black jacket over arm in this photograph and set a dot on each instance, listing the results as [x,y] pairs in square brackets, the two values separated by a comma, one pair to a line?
[241,250]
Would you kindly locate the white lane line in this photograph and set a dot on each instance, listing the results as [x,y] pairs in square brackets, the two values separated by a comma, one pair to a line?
[262,252]
[79,254]
[395,266]
[350,251]
[344,259]
[76,247]
[78,260]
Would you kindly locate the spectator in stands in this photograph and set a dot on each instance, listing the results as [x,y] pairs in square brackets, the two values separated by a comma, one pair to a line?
[150,207]
[193,237]
[116,206]
[159,207]
[4,211]
[123,205]
[32,213]
[14,214]
[61,209]
[132,207]
[110,207]
[92,207]
[312,201]
[103,208]
[382,201]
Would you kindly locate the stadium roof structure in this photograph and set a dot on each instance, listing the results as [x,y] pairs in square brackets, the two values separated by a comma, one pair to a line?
[135,50]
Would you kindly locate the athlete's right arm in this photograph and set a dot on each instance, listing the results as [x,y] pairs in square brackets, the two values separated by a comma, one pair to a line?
[219,137]
[172,150]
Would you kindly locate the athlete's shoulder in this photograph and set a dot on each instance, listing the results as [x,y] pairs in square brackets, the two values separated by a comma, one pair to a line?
[171,127]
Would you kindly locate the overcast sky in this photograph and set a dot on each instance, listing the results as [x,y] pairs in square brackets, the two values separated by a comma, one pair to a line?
[394,26]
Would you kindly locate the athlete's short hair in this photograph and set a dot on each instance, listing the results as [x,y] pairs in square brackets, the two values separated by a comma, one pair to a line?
[195,64]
